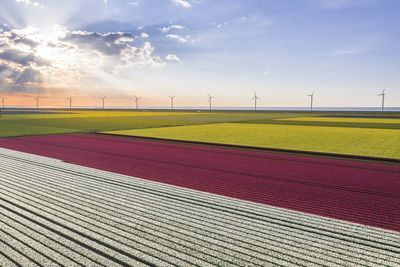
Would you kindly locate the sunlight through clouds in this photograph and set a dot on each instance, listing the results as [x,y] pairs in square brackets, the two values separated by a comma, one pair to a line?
[31,56]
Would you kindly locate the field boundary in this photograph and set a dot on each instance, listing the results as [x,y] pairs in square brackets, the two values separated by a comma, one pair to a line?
[268,149]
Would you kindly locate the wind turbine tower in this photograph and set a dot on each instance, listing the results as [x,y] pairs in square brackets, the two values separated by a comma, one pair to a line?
[3,101]
[137,101]
[172,101]
[70,102]
[104,100]
[37,102]
[255,98]
[383,94]
[311,100]
[210,99]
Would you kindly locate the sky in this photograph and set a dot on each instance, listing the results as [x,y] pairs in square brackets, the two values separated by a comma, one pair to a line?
[346,51]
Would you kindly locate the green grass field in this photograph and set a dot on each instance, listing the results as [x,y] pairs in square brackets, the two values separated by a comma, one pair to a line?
[97,121]
[360,134]
[351,120]
[354,141]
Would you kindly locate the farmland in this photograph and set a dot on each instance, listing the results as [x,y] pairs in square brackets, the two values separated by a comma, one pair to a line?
[80,198]
[95,121]
[342,140]
[366,134]
[56,213]
[312,185]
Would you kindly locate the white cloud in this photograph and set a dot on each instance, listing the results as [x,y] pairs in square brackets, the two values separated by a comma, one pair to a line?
[172,27]
[343,52]
[30,3]
[133,3]
[144,35]
[181,38]
[29,57]
[173,57]
[222,24]
[267,72]
[183,3]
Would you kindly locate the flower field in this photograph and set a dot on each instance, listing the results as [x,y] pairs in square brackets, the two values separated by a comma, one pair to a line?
[360,192]
[56,213]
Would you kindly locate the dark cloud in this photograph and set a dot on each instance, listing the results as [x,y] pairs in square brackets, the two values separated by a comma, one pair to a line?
[18,39]
[19,79]
[28,75]
[76,54]
[108,44]
[22,58]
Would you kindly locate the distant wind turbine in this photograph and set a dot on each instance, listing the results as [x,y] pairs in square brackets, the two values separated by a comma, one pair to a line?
[3,100]
[311,100]
[104,100]
[383,94]
[255,98]
[172,101]
[37,102]
[70,102]
[137,101]
[210,99]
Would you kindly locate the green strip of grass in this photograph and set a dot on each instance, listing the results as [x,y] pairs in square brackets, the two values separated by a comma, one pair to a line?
[95,121]
[12,130]
[342,119]
[352,141]
[335,122]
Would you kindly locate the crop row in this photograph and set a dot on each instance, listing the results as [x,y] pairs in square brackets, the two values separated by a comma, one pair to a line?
[59,212]
[360,192]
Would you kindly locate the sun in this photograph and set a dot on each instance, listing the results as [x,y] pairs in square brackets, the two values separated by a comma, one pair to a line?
[46,43]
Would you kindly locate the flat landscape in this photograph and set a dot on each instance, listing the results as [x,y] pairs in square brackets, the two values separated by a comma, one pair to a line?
[59,214]
[226,133]
[121,188]
[340,189]
[341,140]
[363,134]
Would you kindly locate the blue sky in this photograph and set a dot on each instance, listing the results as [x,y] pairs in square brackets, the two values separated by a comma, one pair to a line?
[344,50]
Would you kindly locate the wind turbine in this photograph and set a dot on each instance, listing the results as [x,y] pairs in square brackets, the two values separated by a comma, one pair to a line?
[172,101]
[210,98]
[70,102]
[255,98]
[37,102]
[137,101]
[312,100]
[383,94]
[1,110]
[3,100]
[103,99]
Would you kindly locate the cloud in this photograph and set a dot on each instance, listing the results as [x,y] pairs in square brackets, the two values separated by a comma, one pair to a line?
[30,3]
[343,52]
[144,35]
[22,58]
[181,38]
[172,27]
[108,43]
[182,3]
[133,3]
[31,58]
[266,73]
[173,57]
[14,78]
